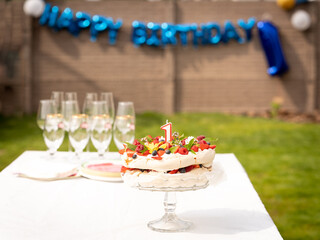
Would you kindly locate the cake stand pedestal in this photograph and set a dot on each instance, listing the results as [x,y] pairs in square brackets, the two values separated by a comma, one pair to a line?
[170,222]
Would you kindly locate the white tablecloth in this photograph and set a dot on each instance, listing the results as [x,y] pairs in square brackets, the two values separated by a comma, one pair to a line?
[89,210]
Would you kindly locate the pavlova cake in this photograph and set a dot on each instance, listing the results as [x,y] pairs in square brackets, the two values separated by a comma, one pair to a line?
[177,161]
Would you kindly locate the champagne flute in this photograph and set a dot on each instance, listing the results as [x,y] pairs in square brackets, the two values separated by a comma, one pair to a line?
[79,132]
[69,108]
[53,132]
[58,98]
[108,97]
[87,108]
[71,96]
[46,107]
[87,104]
[124,125]
[101,133]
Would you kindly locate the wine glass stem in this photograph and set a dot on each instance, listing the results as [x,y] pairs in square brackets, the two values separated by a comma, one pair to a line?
[170,203]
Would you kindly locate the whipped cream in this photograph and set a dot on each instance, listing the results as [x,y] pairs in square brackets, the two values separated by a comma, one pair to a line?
[196,177]
[169,161]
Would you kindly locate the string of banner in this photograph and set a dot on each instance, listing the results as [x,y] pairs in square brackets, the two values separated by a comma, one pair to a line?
[163,34]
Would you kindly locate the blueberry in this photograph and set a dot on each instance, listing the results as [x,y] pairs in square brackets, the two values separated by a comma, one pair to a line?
[168,151]
[182,170]
[208,143]
[154,153]
[134,156]
[161,140]
[200,165]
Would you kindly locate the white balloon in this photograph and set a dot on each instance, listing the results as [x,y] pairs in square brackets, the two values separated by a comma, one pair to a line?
[301,20]
[34,8]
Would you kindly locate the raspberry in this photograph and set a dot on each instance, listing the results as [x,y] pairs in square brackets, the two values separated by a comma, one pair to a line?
[183,151]
[136,142]
[183,142]
[201,137]
[139,147]
[202,142]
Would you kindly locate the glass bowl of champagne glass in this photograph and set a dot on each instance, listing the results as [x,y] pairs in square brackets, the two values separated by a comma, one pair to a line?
[101,133]
[124,125]
[46,107]
[53,132]
[79,132]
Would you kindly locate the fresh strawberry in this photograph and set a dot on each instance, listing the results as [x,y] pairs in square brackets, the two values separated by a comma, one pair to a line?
[212,146]
[174,171]
[183,142]
[130,153]
[155,141]
[202,142]
[157,158]
[189,168]
[124,169]
[195,148]
[204,146]
[161,152]
[121,151]
[136,142]
[183,151]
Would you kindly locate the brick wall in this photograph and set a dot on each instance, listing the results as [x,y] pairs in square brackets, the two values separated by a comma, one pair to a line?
[227,77]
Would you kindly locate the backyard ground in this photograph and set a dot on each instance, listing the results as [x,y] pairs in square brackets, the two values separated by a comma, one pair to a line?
[282,159]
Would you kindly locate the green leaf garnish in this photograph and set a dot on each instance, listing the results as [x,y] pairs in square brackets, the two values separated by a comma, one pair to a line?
[190,144]
[131,146]
[193,151]
[173,149]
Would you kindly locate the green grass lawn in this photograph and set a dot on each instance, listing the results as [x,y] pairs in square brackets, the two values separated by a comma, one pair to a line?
[281,159]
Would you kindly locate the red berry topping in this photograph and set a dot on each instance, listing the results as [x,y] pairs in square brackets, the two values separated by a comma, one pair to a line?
[136,142]
[183,142]
[202,142]
[183,151]
[139,147]
[173,171]
[195,148]
[201,137]
[204,146]
[212,146]
[124,169]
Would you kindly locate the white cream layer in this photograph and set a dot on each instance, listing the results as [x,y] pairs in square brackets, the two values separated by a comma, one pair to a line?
[169,161]
[196,177]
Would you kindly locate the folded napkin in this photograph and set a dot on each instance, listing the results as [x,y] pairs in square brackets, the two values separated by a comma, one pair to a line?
[48,170]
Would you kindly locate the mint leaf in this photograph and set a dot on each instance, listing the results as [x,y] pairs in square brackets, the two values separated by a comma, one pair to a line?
[131,146]
[173,149]
[190,144]
[193,151]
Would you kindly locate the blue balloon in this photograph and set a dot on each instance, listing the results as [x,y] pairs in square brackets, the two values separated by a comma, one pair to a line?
[230,32]
[247,27]
[168,35]
[98,24]
[83,19]
[197,35]
[207,29]
[153,40]
[139,33]
[49,16]
[113,29]
[182,31]
[66,21]
[53,17]
[45,15]
[269,38]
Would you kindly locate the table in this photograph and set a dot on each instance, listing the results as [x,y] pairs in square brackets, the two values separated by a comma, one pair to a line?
[91,210]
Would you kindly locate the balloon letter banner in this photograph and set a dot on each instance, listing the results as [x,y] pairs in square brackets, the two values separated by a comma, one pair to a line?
[270,41]
[81,20]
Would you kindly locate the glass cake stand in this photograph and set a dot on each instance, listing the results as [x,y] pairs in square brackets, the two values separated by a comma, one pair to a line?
[170,222]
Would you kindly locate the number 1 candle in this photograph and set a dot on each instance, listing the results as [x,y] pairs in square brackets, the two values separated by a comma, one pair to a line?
[168,131]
